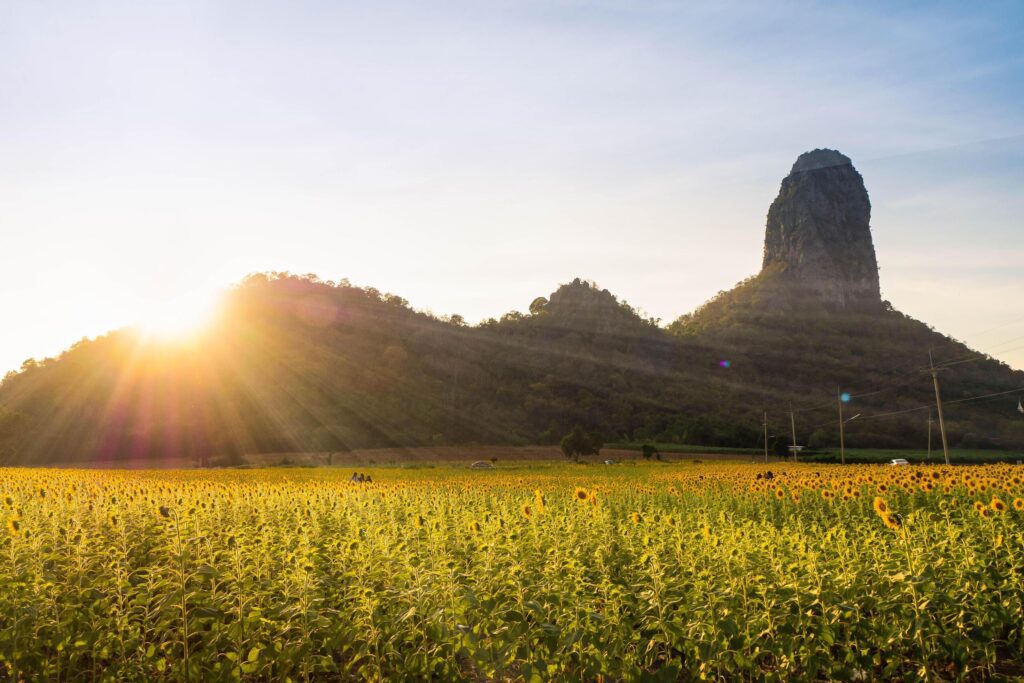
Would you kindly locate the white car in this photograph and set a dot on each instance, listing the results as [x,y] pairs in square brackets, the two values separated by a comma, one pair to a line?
[898,461]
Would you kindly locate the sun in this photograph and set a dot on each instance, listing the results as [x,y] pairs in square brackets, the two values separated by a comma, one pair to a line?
[182,316]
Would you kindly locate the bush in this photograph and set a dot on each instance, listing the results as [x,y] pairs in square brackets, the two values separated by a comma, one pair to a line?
[578,442]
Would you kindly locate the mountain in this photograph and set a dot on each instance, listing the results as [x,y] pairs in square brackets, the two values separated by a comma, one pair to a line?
[818,231]
[297,364]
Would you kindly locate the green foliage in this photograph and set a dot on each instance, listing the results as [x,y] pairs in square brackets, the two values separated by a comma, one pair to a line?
[820,438]
[12,425]
[578,442]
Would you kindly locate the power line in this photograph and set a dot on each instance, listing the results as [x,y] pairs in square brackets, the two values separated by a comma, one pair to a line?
[978,398]
[922,407]
[895,412]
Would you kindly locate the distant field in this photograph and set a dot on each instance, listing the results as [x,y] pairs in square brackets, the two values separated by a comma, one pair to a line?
[441,455]
[422,456]
[956,456]
[853,455]
[530,572]
[667,448]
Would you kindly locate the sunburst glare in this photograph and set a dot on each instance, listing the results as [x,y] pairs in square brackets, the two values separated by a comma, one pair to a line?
[183,316]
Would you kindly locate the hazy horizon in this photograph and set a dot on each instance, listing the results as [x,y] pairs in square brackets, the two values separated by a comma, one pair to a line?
[472,156]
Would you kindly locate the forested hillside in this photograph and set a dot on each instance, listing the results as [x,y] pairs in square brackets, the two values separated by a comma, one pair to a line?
[294,364]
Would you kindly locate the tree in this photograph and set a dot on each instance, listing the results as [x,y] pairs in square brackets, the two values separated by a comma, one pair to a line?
[578,442]
[537,305]
[820,438]
[12,424]
[650,451]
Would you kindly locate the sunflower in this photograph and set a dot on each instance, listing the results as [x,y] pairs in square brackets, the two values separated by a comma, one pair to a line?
[163,511]
[880,506]
[892,520]
[635,517]
[985,512]
[527,511]
[979,506]
[1018,503]
[580,494]
[780,494]
[14,526]
[997,504]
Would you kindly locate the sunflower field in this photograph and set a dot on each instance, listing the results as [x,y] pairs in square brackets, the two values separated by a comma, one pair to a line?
[551,572]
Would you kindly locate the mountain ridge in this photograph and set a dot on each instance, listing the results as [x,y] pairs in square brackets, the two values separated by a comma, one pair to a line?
[297,364]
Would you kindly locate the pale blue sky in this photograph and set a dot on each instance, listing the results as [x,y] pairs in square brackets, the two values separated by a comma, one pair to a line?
[471,156]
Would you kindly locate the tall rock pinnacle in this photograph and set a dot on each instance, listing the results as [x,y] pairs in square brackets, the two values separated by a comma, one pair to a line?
[818,231]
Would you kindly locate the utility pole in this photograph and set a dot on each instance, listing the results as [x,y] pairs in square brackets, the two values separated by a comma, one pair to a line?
[842,442]
[766,437]
[792,424]
[938,403]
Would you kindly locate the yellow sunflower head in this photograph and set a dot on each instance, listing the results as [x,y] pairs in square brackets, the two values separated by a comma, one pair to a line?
[892,520]
[880,506]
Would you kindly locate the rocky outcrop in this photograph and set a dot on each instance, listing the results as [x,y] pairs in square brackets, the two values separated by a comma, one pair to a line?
[818,233]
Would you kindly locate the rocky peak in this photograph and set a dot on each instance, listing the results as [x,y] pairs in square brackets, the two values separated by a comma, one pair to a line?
[818,231]
[585,307]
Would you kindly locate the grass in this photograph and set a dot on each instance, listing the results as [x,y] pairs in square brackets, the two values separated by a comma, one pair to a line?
[853,455]
[875,455]
[685,448]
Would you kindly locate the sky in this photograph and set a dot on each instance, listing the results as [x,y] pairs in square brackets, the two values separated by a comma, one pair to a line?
[472,156]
